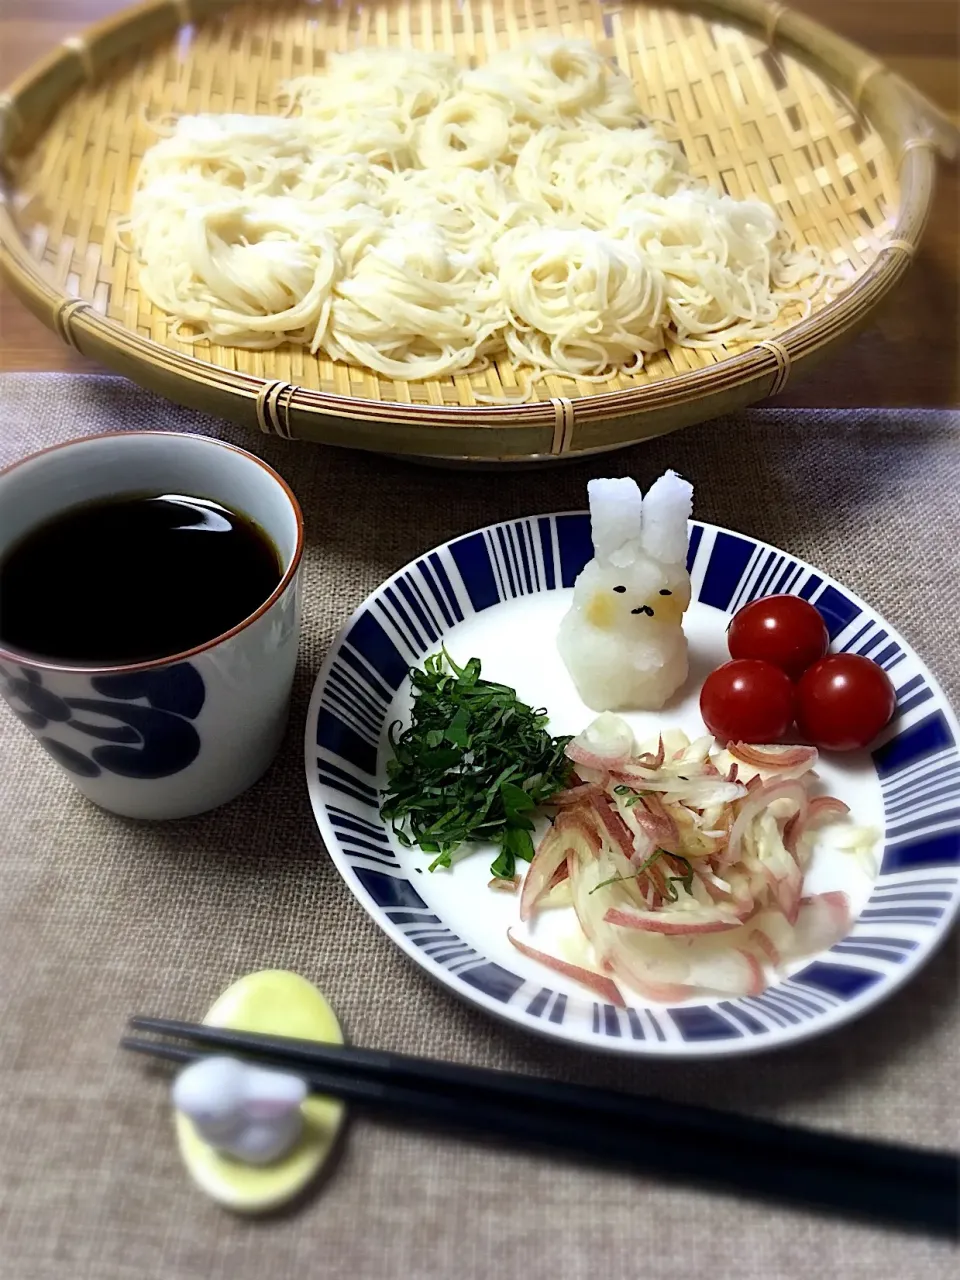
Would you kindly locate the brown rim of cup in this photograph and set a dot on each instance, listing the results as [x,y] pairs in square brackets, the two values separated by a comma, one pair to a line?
[44,664]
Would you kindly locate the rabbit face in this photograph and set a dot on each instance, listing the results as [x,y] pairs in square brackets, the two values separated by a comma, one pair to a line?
[633,599]
[622,640]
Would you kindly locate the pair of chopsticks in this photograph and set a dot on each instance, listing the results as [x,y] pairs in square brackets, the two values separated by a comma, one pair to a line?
[893,1184]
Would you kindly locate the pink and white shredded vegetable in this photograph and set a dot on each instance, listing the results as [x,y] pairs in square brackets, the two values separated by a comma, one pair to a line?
[686,878]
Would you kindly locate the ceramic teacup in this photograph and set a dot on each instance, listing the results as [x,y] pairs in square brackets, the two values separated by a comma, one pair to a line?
[189,731]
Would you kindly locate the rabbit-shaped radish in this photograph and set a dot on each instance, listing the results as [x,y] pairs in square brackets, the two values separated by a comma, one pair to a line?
[622,640]
[240,1110]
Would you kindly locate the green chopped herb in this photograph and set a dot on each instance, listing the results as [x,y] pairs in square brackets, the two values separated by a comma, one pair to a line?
[686,879]
[635,797]
[475,764]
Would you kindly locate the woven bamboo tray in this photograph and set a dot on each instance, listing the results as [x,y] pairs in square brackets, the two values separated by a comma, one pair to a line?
[766,102]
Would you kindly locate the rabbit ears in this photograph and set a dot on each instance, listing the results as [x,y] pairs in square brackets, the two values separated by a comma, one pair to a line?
[267,1095]
[226,1085]
[619,514]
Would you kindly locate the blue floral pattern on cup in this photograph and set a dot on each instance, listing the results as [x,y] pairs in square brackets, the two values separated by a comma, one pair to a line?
[155,740]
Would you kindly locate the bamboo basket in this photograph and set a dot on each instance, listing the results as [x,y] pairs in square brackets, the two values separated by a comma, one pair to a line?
[765,101]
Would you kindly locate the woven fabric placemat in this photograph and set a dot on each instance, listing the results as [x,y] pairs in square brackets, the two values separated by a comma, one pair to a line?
[101,917]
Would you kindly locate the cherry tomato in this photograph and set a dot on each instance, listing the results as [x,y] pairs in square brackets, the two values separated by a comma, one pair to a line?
[747,700]
[843,701]
[784,630]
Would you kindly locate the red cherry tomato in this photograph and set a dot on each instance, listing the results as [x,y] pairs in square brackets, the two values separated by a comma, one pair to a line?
[784,630]
[747,700]
[843,701]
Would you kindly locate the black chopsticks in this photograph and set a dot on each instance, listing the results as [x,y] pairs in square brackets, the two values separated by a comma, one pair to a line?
[891,1184]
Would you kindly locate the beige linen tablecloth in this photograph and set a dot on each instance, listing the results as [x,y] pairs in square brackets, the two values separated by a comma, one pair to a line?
[101,917]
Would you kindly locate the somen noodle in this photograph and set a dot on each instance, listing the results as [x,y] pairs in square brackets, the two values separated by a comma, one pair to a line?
[419,219]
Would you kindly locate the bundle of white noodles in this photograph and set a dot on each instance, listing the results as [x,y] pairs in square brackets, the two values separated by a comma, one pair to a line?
[420,220]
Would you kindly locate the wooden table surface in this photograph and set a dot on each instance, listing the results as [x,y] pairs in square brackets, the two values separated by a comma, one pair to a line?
[909,356]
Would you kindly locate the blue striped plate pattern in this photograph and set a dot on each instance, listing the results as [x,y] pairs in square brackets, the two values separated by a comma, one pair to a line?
[494,588]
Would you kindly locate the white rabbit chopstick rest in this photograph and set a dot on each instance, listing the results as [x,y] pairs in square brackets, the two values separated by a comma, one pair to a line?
[242,1111]
[622,640]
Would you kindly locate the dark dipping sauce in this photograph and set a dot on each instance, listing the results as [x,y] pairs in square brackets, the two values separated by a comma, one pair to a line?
[133,578]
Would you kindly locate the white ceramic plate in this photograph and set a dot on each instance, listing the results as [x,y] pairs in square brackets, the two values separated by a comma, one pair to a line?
[499,595]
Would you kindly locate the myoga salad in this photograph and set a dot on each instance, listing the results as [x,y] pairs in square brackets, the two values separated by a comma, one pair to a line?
[685,865]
